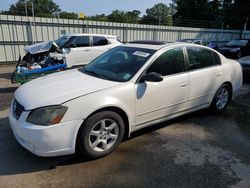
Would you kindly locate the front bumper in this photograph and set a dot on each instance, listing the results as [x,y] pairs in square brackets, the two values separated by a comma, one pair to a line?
[45,141]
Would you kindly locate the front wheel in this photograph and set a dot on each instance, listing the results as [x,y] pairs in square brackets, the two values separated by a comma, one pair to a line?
[100,134]
[221,98]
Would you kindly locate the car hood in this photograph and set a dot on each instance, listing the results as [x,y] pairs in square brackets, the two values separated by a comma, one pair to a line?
[58,88]
[40,47]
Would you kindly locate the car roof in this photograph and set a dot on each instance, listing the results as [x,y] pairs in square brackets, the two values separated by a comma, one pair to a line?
[150,42]
[91,34]
[147,46]
[158,47]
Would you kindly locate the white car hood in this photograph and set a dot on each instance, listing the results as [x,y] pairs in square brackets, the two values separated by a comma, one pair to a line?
[58,88]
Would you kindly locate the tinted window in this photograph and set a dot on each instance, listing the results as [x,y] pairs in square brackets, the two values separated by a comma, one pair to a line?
[99,41]
[82,41]
[170,62]
[200,58]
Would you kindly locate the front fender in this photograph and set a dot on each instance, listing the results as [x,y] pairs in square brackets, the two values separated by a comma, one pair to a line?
[121,97]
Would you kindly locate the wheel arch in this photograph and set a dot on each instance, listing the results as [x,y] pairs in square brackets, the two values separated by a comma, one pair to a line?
[230,87]
[115,109]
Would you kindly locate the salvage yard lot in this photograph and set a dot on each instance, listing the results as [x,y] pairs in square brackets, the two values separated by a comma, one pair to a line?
[196,150]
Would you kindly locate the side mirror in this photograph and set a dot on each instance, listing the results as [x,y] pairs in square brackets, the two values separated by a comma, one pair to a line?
[152,77]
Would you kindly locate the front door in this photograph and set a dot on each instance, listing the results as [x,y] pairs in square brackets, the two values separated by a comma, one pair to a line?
[155,100]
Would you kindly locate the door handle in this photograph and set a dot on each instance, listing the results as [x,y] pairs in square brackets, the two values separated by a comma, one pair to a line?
[218,74]
[86,50]
[184,85]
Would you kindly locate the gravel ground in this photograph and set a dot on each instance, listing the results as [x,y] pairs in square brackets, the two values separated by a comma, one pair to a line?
[196,150]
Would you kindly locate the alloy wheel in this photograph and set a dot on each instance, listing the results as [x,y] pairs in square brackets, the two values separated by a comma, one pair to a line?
[222,98]
[103,135]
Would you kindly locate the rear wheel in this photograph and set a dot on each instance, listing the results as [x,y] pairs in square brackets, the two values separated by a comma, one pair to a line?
[221,98]
[100,135]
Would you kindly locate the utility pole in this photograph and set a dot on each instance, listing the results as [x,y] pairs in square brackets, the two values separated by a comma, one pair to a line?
[26,11]
[33,15]
[25,5]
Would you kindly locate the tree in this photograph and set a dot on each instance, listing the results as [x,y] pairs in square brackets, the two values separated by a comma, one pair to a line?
[68,15]
[42,8]
[98,17]
[239,14]
[133,16]
[117,16]
[159,14]
[202,13]
[124,17]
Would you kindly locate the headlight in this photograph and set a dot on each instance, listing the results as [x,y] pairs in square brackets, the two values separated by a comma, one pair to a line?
[49,115]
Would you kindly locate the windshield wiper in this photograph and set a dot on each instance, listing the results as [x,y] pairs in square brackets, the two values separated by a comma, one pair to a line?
[94,73]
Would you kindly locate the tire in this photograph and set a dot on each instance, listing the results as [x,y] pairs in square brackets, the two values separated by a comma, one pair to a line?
[221,98]
[100,135]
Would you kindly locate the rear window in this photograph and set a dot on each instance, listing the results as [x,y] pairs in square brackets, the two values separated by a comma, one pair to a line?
[82,41]
[99,41]
[201,58]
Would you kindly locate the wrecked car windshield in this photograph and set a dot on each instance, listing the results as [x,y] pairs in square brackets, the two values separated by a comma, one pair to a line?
[119,64]
[62,41]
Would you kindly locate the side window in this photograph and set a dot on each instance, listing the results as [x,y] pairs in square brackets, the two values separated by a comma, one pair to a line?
[99,41]
[170,62]
[82,41]
[200,58]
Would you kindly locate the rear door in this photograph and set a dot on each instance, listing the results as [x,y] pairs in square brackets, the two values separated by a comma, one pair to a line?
[205,73]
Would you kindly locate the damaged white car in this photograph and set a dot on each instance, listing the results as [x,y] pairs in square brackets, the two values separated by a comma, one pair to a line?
[69,51]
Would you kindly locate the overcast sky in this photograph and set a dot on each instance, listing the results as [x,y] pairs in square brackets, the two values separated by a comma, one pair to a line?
[93,7]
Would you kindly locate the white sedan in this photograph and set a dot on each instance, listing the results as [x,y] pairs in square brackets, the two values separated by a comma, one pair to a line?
[91,109]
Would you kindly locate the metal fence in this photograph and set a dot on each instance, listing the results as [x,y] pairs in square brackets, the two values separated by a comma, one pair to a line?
[16,32]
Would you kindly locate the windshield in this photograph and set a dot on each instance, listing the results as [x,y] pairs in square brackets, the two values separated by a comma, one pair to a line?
[118,64]
[62,41]
[237,43]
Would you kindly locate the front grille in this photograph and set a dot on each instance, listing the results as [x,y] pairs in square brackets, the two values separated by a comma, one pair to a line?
[17,109]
